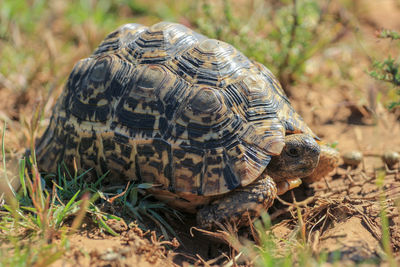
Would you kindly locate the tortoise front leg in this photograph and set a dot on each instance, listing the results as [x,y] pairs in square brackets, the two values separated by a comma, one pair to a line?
[237,206]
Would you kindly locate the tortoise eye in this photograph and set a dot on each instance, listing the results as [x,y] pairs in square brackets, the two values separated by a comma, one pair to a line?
[205,101]
[293,152]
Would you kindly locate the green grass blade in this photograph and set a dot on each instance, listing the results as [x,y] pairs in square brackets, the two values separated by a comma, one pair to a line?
[67,171]
[145,185]
[66,209]
[133,196]
[105,226]
[163,222]
[3,151]
[134,211]
[97,183]
[22,176]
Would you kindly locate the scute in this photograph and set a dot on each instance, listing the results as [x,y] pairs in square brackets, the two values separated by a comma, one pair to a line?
[211,62]
[248,161]
[94,86]
[160,43]
[291,120]
[155,162]
[214,47]
[168,106]
[118,38]
[205,101]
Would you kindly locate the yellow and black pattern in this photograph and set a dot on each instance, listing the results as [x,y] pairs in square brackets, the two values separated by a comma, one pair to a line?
[168,106]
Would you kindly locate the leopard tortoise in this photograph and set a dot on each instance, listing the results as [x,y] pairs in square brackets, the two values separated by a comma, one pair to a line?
[212,130]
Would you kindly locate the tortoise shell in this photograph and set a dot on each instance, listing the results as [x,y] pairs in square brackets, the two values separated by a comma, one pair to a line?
[168,106]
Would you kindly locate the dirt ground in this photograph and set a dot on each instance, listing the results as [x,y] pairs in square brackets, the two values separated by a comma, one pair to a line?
[342,212]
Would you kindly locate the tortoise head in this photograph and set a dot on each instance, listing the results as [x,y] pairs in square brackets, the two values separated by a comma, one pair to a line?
[298,158]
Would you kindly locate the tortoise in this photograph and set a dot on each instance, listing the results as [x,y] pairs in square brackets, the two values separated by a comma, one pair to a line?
[212,130]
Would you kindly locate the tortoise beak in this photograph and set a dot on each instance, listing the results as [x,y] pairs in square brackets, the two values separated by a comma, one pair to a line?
[284,186]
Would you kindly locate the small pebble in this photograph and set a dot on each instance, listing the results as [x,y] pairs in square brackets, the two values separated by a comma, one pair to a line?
[352,158]
[391,158]
[110,256]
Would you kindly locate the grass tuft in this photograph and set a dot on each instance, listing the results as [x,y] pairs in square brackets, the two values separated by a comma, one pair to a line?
[282,36]
[40,212]
[388,69]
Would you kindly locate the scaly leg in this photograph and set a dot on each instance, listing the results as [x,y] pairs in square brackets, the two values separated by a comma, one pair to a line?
[238,205]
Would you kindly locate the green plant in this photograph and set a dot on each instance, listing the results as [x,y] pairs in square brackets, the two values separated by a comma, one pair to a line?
[265,251]
[44,203]
[35,216]
[388,69]
[20,13]
[385,242]
[31,219]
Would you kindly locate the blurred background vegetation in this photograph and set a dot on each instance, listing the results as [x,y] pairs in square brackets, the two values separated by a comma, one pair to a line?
[299,40]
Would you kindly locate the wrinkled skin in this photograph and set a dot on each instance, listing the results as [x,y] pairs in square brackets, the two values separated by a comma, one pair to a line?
[298,159]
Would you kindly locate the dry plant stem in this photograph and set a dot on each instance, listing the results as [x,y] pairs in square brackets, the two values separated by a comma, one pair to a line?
[254,233]
[327,184]
[390,171]
[282,76]
[352,182]
[215,260]
[300,218]
[81,214]
[363,164]
[290,207]
[233,261]
[201,260]
[314,239]
[111,200]
[219,235]
[323,218]
[189,257]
